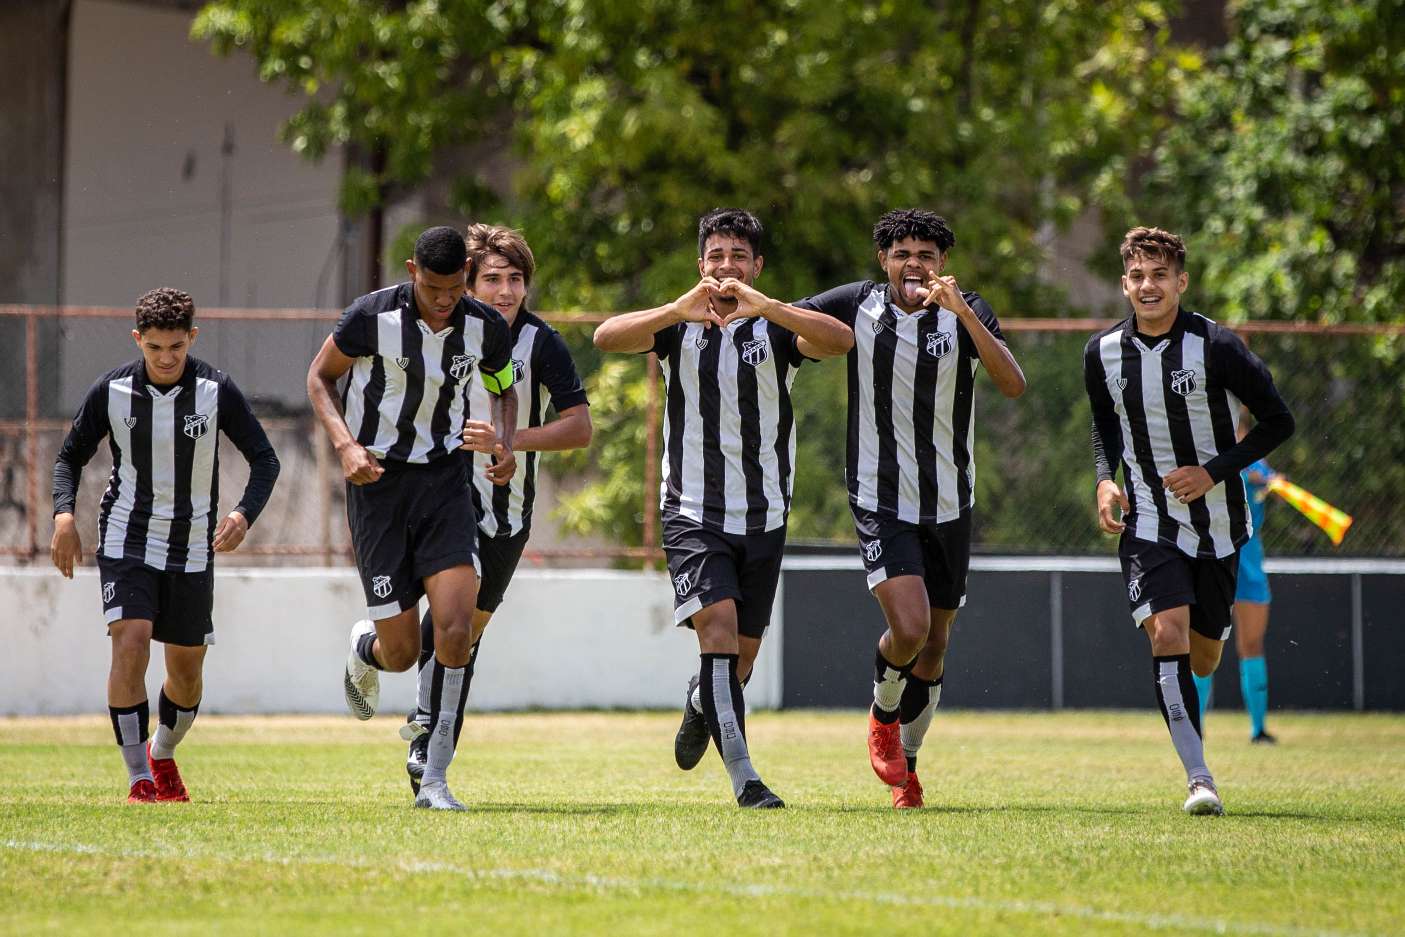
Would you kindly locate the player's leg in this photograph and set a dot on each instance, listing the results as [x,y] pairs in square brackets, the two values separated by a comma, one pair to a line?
[127,703]
[186,628]
[919,703]
[452,593]
[690,741]
[1250,626]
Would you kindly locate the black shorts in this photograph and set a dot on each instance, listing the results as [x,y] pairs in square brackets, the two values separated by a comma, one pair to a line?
[939,553]
[499,557]
[178,605]
[412,522]
[1159,577]
[708,566]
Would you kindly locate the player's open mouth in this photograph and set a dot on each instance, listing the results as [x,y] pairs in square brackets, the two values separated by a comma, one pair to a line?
[1149,300]
[911,288]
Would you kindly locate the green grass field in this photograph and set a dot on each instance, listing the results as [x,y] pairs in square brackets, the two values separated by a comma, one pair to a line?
[580,823]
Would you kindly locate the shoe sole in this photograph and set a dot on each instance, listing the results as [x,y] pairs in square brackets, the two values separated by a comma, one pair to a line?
[354,700]
[1205,808]
[687,756]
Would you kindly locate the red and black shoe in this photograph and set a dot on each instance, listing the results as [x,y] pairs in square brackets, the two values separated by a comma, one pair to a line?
[909,796]
[143,792]
[885,751]
[169,786]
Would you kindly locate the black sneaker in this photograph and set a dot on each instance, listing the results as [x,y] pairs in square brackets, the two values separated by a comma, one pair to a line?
[690,744]
[419,750]
[1263,738]
[757,795]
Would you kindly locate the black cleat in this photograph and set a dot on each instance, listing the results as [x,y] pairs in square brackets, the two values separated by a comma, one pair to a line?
[1263,738]
[690,744]
[419,751]
[757,795]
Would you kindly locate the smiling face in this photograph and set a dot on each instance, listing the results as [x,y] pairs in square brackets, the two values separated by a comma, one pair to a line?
[1153,285]
[728,256]
[500,284]
[910,263]
[165,352]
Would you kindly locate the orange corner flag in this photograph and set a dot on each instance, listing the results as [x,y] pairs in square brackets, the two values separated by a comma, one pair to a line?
[1333,522]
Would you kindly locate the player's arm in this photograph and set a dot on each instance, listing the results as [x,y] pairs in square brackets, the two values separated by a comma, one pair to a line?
[572,428]
[238,422]
[1106,438]
[89,427]
[817,335]
[995,355]
[633,332]
[358,465]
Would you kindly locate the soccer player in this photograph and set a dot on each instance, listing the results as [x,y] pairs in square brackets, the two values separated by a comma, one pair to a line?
[412,351]
[918,339]
[500,269]
[729,354]
[159,525]
[1165,386]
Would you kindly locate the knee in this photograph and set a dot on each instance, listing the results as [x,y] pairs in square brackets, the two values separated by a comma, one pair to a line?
[910,633]
[396,656]
[130,649]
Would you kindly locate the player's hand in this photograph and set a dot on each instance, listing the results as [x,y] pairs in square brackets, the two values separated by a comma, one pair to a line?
[735,300]
[1187,483]
[358,465]
[945,292]
[1112,507]
[230,533]
[479,436]
[504,465]
[66,547]
[696,304]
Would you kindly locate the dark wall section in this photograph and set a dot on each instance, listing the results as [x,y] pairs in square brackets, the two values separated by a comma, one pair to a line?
[1001,654]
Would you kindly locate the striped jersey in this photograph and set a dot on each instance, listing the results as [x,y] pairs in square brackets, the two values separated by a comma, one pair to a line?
[729,432]
[405,399]
[161,506]
[542,372]
[1173,400]
[911,403]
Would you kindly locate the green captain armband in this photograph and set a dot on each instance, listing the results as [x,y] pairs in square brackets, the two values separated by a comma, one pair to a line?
[499,382]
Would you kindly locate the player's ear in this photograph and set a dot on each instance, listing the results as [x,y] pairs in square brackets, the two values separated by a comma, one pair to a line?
[136,337]
[410,266]
[760,262]
[883,258]
[194,331]
[941,261]
[700,268]
[1182,281]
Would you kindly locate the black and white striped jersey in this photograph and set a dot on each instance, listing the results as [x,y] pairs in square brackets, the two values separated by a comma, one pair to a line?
[729,432]
[911,403]
[406,394]
[542,372]
[162,501]
[1171,401]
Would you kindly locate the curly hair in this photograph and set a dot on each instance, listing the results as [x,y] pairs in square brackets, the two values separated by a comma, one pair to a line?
[913,223]
[733,222]
[484,239]
[165,308]
[1155,243]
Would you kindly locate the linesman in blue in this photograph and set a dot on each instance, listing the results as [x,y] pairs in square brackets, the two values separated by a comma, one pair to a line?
[412,351]
[159,525]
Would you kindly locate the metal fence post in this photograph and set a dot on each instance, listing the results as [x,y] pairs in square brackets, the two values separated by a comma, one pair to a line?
[31,428]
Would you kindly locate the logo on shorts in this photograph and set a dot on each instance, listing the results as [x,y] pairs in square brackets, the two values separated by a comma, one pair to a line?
[939,344]
[756,352]
[131,421]
[109,589]
[1117,383]
[683,582]
[380,585]
[1183,382]
[873,550]
[519,368]
[403,363]
[1134,589]
[197,425]
[459,366]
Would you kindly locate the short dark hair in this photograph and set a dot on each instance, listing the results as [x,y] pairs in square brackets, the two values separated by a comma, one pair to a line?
[913,223]
[441,250]
[1156,243]
[165,308]
[482,239]
[733,222]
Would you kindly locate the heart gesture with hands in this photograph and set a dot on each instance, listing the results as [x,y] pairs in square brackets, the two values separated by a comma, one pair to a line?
[696,304]
[745,301]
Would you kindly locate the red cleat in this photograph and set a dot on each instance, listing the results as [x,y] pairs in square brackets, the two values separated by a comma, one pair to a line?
[908,796]
[143,792]
[169,786]
[885,751]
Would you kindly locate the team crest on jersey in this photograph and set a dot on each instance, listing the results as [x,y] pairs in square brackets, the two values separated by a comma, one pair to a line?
[683,582]
[872,550]
[877,326]
[403,363]
[1134,589]
[519,368]
[1183,382]
[380,585]
[131,421]
[197,425]
[939,344]
[756,352]
[109,589]
[459,365]
[1118,384]
[700,342]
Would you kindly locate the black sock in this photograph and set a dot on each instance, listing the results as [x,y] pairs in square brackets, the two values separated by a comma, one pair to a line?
[365,650]
[916,695]
[129,725]
[1179,701]
[889,680]
[724,708]
[426,639]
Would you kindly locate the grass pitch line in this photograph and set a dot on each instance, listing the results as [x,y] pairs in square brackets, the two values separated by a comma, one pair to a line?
[602,883]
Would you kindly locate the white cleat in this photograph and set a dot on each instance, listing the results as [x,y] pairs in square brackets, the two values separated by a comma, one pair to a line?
[437,797]
[1204,800]
[362,681]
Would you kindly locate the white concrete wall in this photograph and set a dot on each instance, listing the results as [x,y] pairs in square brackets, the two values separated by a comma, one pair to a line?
[562,639]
